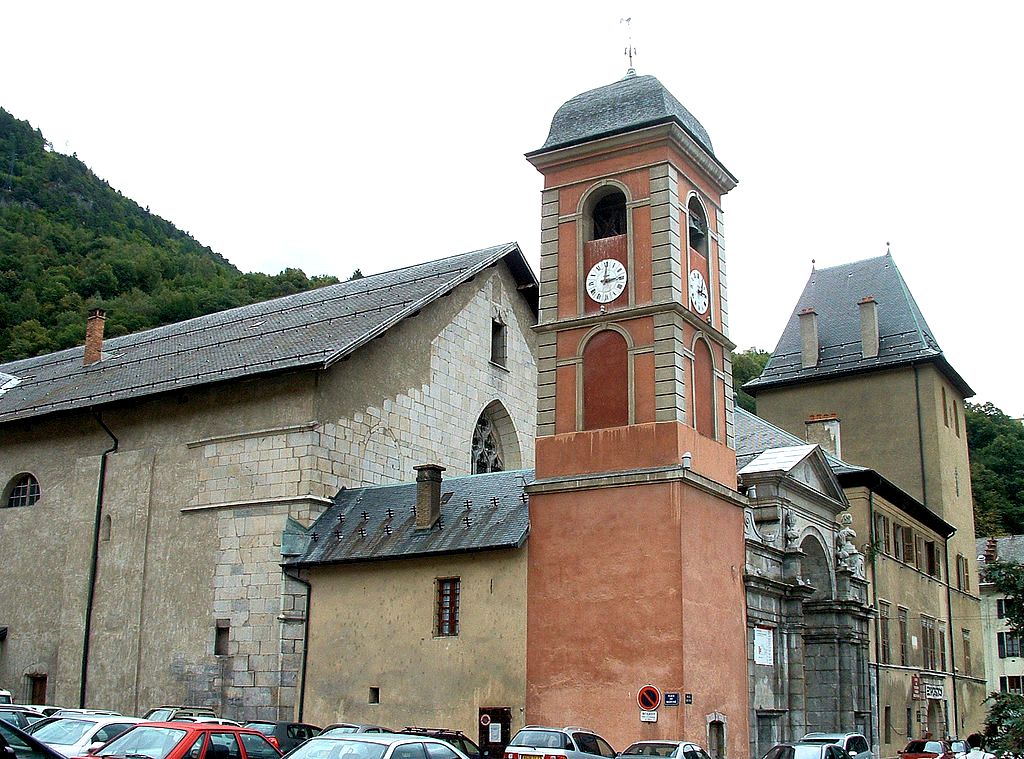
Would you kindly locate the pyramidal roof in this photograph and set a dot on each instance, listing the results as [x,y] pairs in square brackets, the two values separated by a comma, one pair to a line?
[904,336]
[631,103]
[311,329]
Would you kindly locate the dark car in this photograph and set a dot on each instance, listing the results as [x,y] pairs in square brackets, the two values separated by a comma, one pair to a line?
[350,728]
[806,751]
[453,737]
[19,716]
[926,749]
[17,744]
[285,735]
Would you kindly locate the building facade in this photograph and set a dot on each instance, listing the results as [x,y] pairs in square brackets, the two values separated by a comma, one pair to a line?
[1004,657]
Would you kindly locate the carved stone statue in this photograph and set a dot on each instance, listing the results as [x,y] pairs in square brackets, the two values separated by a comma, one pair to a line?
[791,532]
[847,554]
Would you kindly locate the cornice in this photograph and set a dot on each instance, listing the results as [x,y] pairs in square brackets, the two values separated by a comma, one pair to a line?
[645,476]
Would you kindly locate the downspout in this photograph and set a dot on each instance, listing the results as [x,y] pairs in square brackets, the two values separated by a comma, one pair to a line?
[305,641]
[952,648]
[94,561]
[874,603]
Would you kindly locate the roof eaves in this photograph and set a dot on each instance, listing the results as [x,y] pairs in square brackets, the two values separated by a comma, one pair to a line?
[365,559]
[897,496]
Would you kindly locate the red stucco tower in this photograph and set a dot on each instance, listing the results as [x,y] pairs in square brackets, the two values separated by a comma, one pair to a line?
[636,543]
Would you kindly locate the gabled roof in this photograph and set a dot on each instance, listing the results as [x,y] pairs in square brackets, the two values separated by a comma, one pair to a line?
[481,512]
[778,459]
[311,329]
[834,293]
[754,436]
[631,103]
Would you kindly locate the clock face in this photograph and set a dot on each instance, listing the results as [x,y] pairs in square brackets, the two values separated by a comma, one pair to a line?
[606,280]
[698,292]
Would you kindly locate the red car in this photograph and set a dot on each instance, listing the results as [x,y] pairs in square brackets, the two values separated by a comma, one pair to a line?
[188,740]
[926,749]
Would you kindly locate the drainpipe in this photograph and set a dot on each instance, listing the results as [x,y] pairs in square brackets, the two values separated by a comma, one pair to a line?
[952,648]
[305,641]
[94,561]
[874,603]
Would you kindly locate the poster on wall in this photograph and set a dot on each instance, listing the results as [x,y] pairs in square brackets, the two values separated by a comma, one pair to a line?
[764,646]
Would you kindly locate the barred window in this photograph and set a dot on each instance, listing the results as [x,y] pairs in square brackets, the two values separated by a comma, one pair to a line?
[883,629]
[23,490]
[448,591]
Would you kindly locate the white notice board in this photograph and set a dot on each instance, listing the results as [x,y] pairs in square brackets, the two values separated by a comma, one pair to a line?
[764,646]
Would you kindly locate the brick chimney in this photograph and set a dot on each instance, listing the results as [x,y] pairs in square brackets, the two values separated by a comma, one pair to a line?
[428,495]
[808,338]
[868,327]
[94,336]
[823,429]
[991,550]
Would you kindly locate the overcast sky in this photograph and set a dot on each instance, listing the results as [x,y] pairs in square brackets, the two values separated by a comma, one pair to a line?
[328,137]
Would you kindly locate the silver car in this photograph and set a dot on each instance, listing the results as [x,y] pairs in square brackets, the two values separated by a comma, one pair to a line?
[375,746]
[535,741]
[856,745]
[665,750]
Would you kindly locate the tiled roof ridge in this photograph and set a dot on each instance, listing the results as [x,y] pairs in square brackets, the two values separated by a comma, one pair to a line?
[411,483]
[209,321]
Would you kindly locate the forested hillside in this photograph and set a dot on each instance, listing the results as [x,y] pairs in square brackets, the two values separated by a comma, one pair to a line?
[996,443]
[70,242]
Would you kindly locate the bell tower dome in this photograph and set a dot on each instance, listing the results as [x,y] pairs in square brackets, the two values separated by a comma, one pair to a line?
[636,542]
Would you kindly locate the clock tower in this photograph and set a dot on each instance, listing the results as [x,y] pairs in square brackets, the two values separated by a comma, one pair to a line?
[636,549]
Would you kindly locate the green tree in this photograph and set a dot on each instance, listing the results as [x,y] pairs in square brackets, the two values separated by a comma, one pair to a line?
[745,366]
[996,445]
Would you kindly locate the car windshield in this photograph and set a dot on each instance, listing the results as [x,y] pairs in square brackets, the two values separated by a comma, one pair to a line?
[159,715]
[340,730]
[152,742]
[64,731]
[653,749]
[923,747]
[267,728]
[541,739]
[806,752]
[333,748]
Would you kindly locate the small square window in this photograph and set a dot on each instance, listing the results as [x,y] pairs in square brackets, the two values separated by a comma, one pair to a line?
[499,343]
[374,695]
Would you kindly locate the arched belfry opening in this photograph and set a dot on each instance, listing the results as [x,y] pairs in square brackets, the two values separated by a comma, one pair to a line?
[495,445]
[604,214]
[697,226]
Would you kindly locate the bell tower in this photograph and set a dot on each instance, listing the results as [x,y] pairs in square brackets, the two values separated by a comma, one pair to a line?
[636,548]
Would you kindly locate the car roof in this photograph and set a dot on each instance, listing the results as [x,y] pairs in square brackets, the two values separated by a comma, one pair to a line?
[382,738]
[206,726]
[99,719]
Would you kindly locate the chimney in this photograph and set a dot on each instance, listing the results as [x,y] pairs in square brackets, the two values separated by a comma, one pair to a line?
[868,327]
[428,495]
[808,338]
[823,429]
[991,550]
[94,336]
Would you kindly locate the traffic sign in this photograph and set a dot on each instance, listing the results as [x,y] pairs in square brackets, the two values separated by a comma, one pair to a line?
[485,719]
[648,698]
[648,716]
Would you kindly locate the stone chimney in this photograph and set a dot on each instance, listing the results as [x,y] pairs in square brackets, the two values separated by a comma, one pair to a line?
[823,429]
[94,336]
[868,327]
[991,550]
[808,338]
[428,495]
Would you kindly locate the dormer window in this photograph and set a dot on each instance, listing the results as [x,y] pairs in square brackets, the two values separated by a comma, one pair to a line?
[609,216]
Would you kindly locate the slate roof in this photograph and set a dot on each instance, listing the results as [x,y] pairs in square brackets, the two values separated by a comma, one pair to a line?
[482,512]
[631,103]
[778,459]
[834,293]
[1008,548]
[311,329]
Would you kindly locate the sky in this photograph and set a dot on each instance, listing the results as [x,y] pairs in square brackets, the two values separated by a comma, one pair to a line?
[331,136]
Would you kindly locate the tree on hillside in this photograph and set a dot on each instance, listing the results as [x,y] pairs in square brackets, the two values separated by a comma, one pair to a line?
[745,366]
[996,444]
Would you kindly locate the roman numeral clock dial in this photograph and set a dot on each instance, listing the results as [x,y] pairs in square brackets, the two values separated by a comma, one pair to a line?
[698,292]
[606,280]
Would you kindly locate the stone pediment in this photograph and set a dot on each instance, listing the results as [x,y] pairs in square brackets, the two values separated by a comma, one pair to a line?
[805,464]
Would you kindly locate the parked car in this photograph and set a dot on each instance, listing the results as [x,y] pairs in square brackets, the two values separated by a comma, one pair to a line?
[85,713]
[186,740]
[800,750]
[569,742]
[376,746]
[5,697]
[665,750]
[75,735]
[856,745]
[926,749]
[214,720]
[19,716]
[45,709]
[23,745]
[348,728]
[455,737]
[285,735]
[171,713]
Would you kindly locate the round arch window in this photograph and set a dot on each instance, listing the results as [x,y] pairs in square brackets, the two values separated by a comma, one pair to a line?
[23,491]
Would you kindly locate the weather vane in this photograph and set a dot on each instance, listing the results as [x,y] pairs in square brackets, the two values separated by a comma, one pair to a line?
[630,50]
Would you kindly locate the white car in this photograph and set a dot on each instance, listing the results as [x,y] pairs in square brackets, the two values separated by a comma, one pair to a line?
[856,745]
[665,750]
[73,736]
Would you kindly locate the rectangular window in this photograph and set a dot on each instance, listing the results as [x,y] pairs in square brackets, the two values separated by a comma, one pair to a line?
[934,559]
[221,637]
[968,668]
[908,546]
[902,628]
[928,658]
[888,724]
[956,418]
[883,540]
[910,723]
[448,590]
[1008,645]
[1010,684]
[374,697]
[883,632]
[499,343]
[941,647]
[963,580]
[945,409]
[897,541]
[921,559]
[1002,607]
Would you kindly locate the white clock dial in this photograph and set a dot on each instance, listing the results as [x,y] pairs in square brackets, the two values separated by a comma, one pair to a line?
[698,292]
[606,280]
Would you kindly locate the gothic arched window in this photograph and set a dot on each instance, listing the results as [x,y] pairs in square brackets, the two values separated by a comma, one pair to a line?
[486,447]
